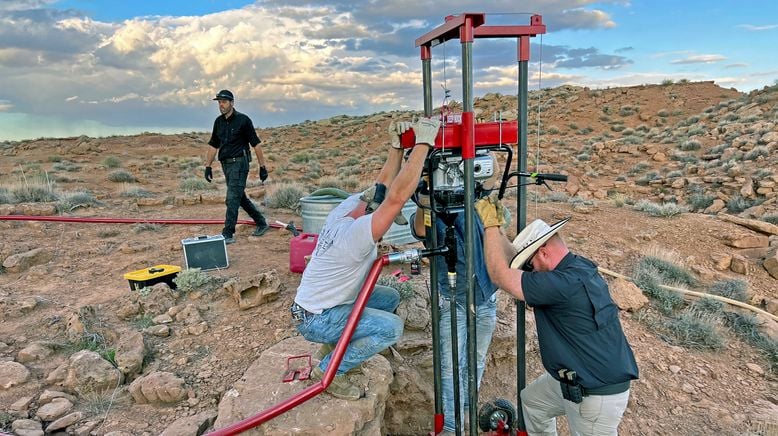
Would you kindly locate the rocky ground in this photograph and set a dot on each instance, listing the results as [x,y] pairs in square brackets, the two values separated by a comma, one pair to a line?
[82,354]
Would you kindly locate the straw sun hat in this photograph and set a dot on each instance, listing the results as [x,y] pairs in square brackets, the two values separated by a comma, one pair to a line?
[531,238]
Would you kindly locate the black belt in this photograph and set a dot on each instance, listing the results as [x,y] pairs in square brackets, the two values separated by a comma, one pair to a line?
[613,389]
[299,313]
[232,159]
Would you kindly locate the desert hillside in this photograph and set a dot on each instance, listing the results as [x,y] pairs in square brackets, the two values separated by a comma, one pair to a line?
[673,185]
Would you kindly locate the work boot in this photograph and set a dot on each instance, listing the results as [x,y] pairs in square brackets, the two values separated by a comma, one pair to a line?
[260,230]
[229,240]
[340,386]
[323,351]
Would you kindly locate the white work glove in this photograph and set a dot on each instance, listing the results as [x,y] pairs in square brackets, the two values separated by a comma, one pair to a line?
[395,130]
[426,129]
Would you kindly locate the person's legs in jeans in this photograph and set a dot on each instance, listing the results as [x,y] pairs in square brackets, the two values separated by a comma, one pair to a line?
[377,328]
[486,315]
[235,174]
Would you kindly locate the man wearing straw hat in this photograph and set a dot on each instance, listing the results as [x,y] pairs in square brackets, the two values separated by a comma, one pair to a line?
[589,363]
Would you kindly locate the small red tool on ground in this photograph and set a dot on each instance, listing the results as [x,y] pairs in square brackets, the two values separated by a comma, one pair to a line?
[300,372]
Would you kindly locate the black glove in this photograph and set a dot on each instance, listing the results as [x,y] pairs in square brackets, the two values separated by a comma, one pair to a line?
[208,174]
[262,173]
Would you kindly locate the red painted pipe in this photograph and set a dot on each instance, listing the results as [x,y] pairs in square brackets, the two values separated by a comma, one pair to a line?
[72,219]
[332,369]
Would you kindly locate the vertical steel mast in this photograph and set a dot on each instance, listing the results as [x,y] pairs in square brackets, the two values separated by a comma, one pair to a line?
[467,27]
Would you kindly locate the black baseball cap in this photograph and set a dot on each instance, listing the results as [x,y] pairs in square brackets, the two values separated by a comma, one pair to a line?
[224,94]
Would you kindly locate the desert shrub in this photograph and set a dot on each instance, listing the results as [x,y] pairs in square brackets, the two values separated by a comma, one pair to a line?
[6,197]
[146,227]
[700,201]
[690,145]
[108,233]
[135,192]
[405,289]
[122,176]
[619,199]
[191,279]
[70,167]
[639,168]
[674,174]
[313,171]
[695,330]
[94,402]
[193,184]
[54,158]
[663,113]
[627,110]
[747,328]
[708,305]
[143,321]
[348,184]
[734,289]
[350,170]
[738,203]
[770,218]
[757,152]
[351,161]
[35,189]
[667,82]
[696,130]
[670,268]
[617,127]
[556,197]
[92,341]
[301,157]
[72,200]
[553,130]
[286,196]
[650,273]
[643,181]
[633,139]
[112,162]
[719,148]
[583,157]
[663,210]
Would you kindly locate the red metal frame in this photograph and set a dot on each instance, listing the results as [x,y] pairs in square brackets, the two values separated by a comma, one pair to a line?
[486,134]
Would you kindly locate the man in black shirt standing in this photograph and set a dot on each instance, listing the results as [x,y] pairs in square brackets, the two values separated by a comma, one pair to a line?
[233,133]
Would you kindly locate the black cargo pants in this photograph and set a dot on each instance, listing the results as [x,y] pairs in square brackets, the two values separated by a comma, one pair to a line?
[236,171]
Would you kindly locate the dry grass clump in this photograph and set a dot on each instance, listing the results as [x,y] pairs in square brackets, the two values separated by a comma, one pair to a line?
[286,196]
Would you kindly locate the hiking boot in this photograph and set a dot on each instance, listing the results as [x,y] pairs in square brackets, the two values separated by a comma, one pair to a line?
[323,351]
[260,230]
[340,386]
[229,240]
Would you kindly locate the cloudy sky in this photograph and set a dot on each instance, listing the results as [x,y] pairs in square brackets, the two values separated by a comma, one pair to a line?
[105,67]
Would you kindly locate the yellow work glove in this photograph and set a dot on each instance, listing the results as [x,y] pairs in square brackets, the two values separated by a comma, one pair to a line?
[491,211]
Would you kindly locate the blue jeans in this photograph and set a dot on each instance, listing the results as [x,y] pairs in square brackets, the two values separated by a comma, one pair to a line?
[485,319]
[236,174]
[378,328]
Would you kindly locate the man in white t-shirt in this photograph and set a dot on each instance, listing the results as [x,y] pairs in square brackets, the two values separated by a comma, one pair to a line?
[345,252]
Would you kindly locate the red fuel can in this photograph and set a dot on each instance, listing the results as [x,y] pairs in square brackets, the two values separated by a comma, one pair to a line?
[299,247]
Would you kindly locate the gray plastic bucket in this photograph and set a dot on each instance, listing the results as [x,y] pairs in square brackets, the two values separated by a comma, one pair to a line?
[315,211]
